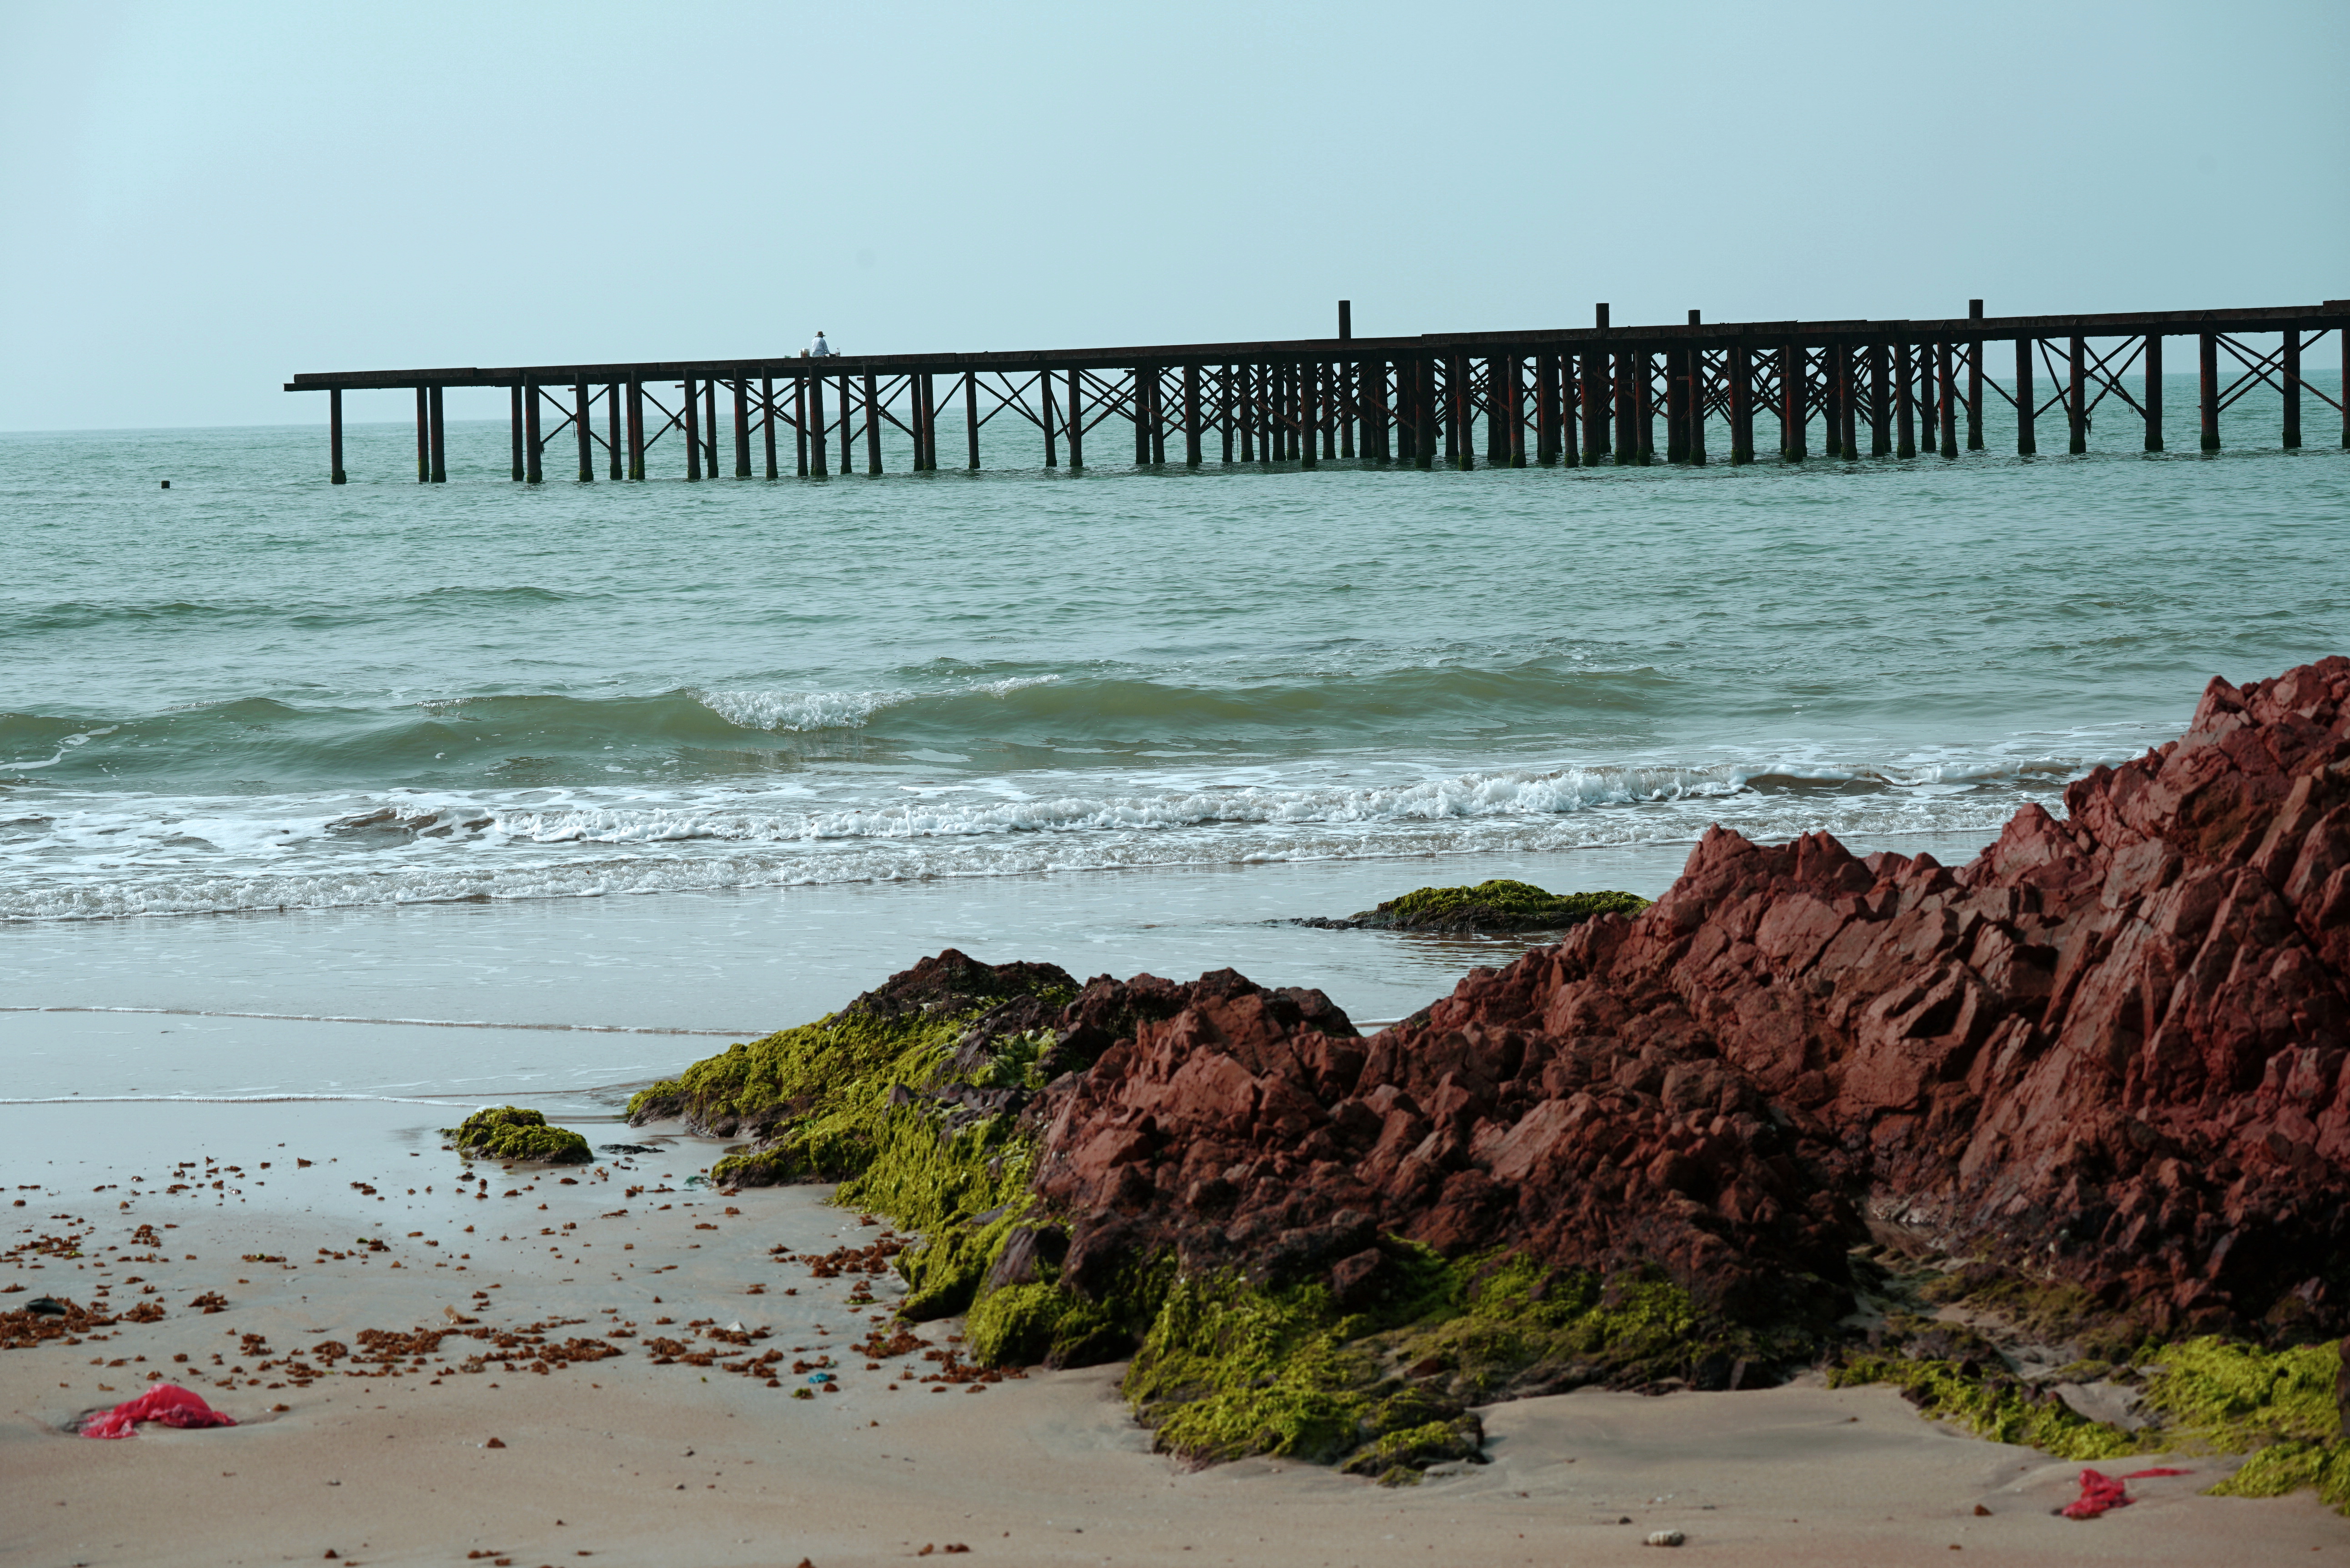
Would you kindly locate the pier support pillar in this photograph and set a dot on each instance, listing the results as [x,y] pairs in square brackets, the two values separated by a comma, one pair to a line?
[767,422]
[1832,390]
[1693,359]
[1880,401]
[1513,388]
[1623,442]
[513,427]
[1598,401]
[1545,409]
[335,475]
[1347,403]
[635,431]
[842,388]
[1793,413]
[1944,361]
[741,427]
[2207,365]
[2076,396]
[423,437]
[1141,411]
[799,427]
[1497,434]
[2027,441]
[710,425]
[534,447]
[1225,413]
[585,432]
[440,440]
[1462,411]
[872,425]
[1974,380]
[1905,402]
[1676,405]
[1741,405]
[614,464]
[1077,424]
[816,428]
[928,383]
[1309,413]
[1423,409]
[2291,388]
[1191,416]
[688,414]
[1644,419]
[1974,393]
[2154,392]
[1847,404]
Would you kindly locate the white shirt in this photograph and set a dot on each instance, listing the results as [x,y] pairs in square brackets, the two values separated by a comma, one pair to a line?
[819,350]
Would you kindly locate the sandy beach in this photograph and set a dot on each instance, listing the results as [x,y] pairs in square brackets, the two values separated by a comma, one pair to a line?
[632,1458]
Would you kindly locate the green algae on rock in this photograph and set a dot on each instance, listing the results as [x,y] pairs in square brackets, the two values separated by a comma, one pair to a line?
[2207,1394]
[1500,905]
[1231,1368]
[510,1132]
[910,1097]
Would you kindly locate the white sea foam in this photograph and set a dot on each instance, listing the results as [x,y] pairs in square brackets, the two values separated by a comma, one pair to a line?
[64,745]
[798,712]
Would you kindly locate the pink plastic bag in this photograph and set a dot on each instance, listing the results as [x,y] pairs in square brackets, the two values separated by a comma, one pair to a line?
[166,1402]
[2101,1493]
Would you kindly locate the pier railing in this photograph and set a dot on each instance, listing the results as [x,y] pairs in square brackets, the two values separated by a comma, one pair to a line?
[1573,396]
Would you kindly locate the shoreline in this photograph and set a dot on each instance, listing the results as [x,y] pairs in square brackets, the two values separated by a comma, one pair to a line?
[642,1460]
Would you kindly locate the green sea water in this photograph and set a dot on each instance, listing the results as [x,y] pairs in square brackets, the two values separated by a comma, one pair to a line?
[257,691]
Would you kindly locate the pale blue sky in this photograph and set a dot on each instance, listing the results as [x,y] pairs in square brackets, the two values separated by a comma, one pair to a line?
[201,200]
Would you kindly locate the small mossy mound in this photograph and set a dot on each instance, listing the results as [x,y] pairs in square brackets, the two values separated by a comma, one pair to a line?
[1042,1321]
[831,1100]
[1231,1368]
[1500,905]
[2206,1394]
[909,1099]
[2290,1465]
[510,1132]
[1991,1404]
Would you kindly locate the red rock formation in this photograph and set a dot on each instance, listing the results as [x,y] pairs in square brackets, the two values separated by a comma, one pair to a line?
[2111,1050]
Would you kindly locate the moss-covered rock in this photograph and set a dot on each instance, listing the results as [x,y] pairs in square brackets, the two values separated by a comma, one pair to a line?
[510,1132]
[1500,905]
[1040,1322]
[1991,1404]
[2199,1395]
[883,1092]
[1231,1368]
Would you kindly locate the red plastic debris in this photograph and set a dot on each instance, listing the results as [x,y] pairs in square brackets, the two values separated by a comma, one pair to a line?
[2101,1493]
[167,1403]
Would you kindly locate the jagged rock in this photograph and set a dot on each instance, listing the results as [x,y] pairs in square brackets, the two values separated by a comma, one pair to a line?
[2113,1052]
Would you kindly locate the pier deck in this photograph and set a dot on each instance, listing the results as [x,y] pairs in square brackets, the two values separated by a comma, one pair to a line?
[1574,396]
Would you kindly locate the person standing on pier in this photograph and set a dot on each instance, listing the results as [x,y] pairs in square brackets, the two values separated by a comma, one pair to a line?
[819,350]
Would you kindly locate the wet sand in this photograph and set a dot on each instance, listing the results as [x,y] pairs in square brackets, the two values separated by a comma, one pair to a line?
[623,1460]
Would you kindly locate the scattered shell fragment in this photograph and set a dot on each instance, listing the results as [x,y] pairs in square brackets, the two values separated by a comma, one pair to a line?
[1664,1538]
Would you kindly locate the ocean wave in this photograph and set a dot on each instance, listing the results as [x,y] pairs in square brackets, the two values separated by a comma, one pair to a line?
[581,868]
[796,713]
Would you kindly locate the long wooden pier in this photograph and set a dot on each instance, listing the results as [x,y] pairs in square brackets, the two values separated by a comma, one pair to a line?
[1573,395]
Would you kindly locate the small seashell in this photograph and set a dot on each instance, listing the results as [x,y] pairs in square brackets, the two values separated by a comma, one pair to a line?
[1664,1538]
